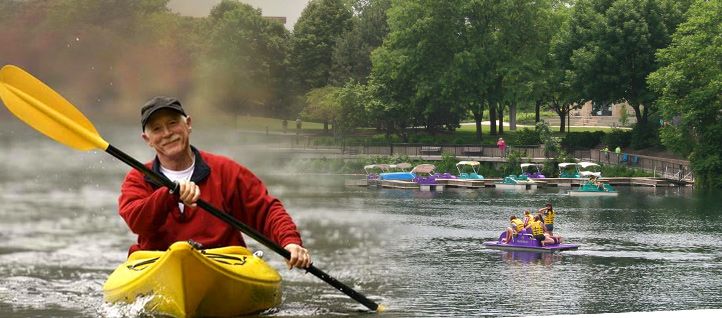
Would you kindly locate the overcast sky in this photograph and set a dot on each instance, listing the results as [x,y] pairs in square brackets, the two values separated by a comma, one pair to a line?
[291,9]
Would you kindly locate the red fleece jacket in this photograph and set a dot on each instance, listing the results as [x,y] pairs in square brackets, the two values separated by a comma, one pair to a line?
[153,214]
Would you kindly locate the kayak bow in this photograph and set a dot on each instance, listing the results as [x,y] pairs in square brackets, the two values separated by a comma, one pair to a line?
[186,282]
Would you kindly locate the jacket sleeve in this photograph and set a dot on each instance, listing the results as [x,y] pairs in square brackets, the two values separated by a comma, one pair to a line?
[264,212]
[143,208]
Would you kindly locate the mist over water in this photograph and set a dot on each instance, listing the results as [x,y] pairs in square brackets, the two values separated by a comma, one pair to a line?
[418,253]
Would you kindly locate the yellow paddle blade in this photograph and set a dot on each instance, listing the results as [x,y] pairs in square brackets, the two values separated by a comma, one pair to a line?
[45,110]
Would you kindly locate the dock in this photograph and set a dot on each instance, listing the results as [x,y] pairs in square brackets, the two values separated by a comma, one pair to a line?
[394,184]
[495,182]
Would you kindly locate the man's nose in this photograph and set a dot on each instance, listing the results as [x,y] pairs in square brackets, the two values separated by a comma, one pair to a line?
[165,131]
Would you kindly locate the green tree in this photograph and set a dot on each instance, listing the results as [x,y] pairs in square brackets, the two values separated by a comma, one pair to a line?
[503,44]
[353,99]
[690,88]
[322,106]
[321,25]
[524,36]
[613,45]
[352,53]
[246,60]
[112,54]
[412,66]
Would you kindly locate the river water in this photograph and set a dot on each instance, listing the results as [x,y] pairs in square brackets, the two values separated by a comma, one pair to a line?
[418,253]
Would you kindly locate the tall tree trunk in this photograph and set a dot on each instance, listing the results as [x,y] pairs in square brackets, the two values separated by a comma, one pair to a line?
[637,112]
[512,116]
[562,121]
[645,114]
[537,111]
[478,117]
[501,118]
[492,117]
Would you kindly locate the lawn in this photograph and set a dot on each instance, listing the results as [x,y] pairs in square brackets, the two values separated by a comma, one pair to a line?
[272,124]
[261,123]
[466,134]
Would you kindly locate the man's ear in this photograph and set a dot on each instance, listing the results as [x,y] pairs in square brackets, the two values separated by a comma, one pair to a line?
[188,122]
[145,137]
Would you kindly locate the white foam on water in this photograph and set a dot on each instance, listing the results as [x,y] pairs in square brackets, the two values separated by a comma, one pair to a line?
[123,310]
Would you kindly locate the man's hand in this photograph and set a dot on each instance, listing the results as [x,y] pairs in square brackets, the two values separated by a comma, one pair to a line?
[300,257]
[188,192]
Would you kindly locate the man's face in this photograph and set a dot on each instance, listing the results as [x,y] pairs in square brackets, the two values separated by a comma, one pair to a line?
[168,132]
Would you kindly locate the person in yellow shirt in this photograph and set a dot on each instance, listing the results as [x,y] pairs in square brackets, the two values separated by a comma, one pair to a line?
[549,215]
[537,231]
[512,232]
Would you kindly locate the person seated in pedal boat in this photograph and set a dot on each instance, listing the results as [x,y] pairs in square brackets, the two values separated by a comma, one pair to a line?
[517,225]
[537,231]
[159,217]
[555,238]
[527,217]
[595,182]
[599,184]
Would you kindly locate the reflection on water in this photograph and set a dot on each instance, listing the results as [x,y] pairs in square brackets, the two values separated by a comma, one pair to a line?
[516,258]
[419,253]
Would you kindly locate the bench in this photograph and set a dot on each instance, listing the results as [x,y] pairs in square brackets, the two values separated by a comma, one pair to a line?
[429,150]
[472,150]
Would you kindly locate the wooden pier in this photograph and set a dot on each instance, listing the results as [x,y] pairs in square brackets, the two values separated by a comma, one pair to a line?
[493,182]
[468,183]
[394,184]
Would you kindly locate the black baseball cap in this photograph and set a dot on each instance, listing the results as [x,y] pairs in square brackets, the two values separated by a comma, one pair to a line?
[158,103]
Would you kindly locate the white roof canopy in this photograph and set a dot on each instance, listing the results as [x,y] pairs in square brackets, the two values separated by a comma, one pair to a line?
[468,163]
[567,164]
[424,168]
[381,166]
[587,164]
[590,173]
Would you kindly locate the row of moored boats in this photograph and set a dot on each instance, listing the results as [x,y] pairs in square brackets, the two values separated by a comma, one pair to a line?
[425,174]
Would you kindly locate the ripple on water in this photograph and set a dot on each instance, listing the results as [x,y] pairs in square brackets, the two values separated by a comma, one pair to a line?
[24,292]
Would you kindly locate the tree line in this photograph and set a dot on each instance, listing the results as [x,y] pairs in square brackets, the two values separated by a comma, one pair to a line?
[393,64]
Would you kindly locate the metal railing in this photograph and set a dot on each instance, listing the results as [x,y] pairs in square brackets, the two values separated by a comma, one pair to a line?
[673,169]
[410,149]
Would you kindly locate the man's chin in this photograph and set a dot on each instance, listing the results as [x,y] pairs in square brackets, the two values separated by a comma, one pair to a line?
[173,153]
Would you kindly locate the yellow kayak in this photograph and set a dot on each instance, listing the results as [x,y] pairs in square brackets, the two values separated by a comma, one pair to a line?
[186,282]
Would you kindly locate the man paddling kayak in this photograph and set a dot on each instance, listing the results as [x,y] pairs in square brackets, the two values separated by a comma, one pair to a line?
[160,217]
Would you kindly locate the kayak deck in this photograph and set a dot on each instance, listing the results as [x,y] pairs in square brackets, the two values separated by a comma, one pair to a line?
[186,282]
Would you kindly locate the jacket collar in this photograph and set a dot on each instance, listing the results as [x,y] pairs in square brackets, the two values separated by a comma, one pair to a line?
[200,172]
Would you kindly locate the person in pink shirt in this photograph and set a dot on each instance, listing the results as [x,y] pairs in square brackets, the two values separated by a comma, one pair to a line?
[502,147]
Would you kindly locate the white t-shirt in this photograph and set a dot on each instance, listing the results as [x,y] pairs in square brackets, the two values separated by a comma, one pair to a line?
[183,175]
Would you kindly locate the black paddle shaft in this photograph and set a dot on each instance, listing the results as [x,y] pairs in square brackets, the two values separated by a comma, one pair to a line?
[161,179]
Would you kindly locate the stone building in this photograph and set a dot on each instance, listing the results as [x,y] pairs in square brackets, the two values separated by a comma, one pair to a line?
[612,115]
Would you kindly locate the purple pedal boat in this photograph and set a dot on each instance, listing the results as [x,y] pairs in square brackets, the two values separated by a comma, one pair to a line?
[526,242]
